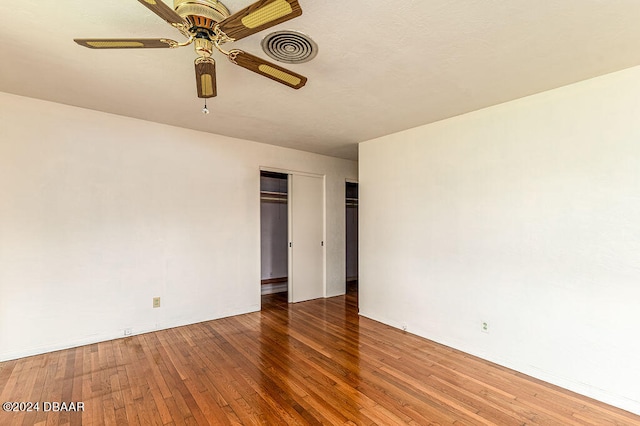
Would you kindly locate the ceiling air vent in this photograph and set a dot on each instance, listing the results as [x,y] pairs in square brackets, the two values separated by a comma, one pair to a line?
[291,47]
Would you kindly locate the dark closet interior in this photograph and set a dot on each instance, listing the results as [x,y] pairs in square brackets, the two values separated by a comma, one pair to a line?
[274,232]
[352,234]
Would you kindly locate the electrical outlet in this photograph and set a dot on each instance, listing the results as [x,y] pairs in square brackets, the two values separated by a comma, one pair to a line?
[484,327]
[156,302]
[127,332]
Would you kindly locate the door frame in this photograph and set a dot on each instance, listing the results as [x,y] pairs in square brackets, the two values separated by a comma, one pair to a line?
[347,180]
[289,231]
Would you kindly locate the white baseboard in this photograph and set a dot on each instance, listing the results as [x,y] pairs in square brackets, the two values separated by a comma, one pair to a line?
[619,401]
[117,334]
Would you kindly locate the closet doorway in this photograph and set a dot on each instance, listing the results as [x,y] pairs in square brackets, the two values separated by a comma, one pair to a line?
[274,233]
[351,202]
[292,250]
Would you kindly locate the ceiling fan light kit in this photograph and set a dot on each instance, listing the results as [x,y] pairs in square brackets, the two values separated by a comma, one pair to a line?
[208,25]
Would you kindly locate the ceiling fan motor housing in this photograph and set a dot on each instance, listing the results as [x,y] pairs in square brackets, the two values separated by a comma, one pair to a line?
[201,13]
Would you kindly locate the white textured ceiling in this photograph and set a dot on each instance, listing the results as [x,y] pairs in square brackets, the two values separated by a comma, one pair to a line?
[382,66]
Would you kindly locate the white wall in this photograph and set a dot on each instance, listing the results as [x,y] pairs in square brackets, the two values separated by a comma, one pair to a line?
[100,213]
[525,215]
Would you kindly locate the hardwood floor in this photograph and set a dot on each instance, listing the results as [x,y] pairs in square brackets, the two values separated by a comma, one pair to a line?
[315,362]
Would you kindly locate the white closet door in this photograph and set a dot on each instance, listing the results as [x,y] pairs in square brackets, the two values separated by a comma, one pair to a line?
[306,233]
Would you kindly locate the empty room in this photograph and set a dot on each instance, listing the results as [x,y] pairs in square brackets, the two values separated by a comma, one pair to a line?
[302,212]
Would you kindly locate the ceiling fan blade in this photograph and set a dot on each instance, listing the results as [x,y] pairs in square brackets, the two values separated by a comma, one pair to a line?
[267,69]
[206,77]
[125,43]
[165,12]
[259,16]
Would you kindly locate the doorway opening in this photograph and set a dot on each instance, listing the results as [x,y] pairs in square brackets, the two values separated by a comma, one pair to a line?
[274,237]
[351,202]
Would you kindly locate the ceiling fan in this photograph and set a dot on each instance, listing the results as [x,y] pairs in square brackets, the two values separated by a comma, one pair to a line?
[207,24]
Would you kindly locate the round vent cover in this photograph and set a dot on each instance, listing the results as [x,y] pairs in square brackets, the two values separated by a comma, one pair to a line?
[291,47]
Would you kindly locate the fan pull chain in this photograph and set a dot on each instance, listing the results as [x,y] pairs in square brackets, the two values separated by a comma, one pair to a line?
[205,110]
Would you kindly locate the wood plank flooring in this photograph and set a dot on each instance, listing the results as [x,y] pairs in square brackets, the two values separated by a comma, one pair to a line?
[310,363]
